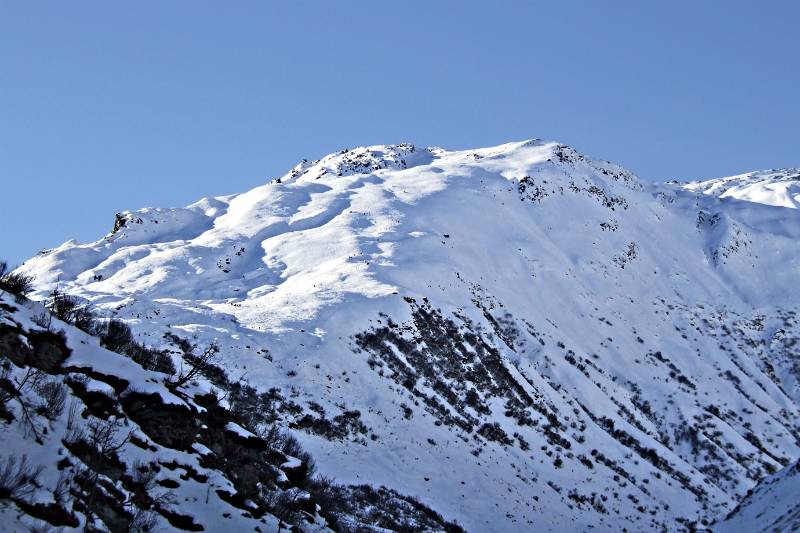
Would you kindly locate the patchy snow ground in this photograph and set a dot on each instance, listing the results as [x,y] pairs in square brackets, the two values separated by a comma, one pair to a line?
[520,336]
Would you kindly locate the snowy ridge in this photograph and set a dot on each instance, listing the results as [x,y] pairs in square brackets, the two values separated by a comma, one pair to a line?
[771,187]
[520,336]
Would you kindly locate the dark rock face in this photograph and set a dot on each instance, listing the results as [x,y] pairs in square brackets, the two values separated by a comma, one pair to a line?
[46,350]
[119,223]
[170,425]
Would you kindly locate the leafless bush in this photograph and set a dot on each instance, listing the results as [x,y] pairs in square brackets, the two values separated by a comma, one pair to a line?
[18,478]
[151,359]
[197,364]
[327,494]
[6,388]
[14,283]
[118,337]
[43,320]
[61,490]
[143,476]
[72,417]
[84,320]
[281,503]
[53,394]
[142,520]
[62,305]
[290,446]
[272,436]
[143,517]
[68,309]
[102,436]
[16,389]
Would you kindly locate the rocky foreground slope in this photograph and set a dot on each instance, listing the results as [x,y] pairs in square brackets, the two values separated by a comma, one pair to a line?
[521,337]
[102,440]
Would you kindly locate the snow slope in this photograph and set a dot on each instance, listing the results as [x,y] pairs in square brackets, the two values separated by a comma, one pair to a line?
[774,505]
[520,336]
[93,440]
[771,187]
[133,460]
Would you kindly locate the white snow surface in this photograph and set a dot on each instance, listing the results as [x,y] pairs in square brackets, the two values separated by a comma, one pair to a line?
[774,505]
[669,313]
[772,187]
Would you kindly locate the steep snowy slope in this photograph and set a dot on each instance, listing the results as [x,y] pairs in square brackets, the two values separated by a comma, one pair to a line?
[85,441]
[520,336]
[771,187]
[93,441]
[774,505]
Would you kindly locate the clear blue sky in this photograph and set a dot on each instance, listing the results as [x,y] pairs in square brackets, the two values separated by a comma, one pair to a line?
[106,106]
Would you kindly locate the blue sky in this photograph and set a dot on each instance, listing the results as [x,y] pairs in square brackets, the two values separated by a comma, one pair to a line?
[110,106]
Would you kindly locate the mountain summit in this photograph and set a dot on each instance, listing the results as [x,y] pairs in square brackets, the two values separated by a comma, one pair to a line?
[521,337]
[771,187]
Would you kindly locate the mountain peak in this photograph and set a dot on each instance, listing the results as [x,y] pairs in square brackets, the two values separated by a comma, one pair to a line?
[778,187]
[349,161]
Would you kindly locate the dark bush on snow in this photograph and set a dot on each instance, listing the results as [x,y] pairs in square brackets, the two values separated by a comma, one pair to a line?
[17,284]
[308,467]
[118,337]
[114,334]
[68,309]
[376,507]
[53,396]
[18,478]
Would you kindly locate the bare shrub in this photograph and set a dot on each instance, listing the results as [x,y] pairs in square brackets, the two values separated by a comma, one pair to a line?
[61,490]
[53,394]
[151,359]
[143,478]
[272,436]
[142,520]
[143,475]
[118,336]
[291,447]
[281,503]
[15,389]
[62,305]
[102,436]
[197,365]
[328,494]
[18,478]
[43,320]
[84,320]
[14,283]
[69,309]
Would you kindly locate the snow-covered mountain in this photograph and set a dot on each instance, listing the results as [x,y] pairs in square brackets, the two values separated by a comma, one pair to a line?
[771,187]
[521,337]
